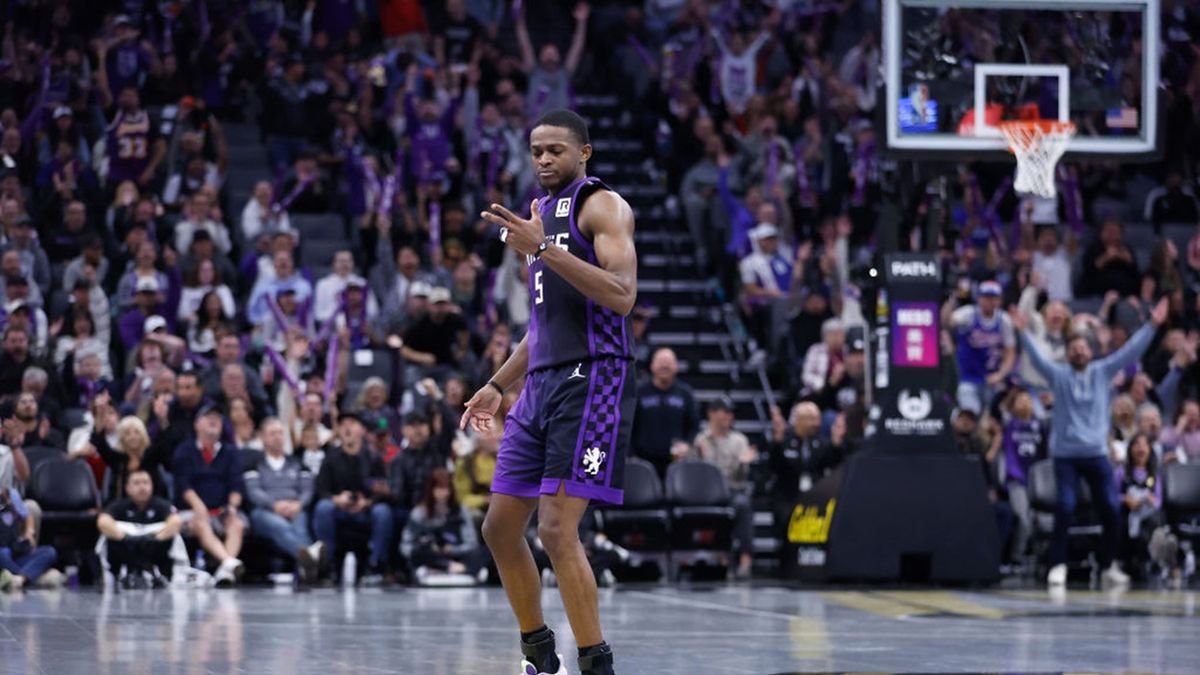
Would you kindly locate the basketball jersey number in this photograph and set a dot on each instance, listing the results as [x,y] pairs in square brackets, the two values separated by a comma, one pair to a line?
[131,147]
[541,290]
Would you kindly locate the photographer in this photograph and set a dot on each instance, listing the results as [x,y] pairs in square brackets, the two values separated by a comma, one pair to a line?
[138,532]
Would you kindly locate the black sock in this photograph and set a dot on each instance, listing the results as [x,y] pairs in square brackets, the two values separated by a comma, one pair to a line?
[538,648]
[596,660]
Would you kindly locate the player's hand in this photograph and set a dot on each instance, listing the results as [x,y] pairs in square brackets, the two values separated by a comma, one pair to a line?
[523,235]
[1158,315]
[481,409]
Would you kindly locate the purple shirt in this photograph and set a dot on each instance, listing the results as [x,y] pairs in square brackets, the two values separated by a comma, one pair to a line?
[1024,443]
[431,145]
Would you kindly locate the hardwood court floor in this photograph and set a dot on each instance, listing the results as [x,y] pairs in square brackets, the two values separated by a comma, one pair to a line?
[654,629]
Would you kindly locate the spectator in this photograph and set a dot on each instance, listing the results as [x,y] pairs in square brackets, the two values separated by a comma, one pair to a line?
[824,358]
[345,490]
[1023,441]
[986,347]
[259,215]
[1140,494]
[550,78]
[173,418]
[1174,202]
[1052,264]
[125,447]
[1109,265]
[729,450]
[241,416]
[197,218]
[65,242]
[666,414]
[418,458]
[767,276]
[1182,439]
[196,173]
[281,489]
[473,475]
[209,489]
[288,127]
[199,282]
[799,456]
[1082,392]
[134,147]
[328,294]
[36,426]
[436,342]
[22,562]
[138,532]
[22,239]
[285,278]
[439,537]
[229,353]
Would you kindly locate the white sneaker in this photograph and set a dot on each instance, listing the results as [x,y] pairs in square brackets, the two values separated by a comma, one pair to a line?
[1057,575]
[229,572]
[1113,576]
[528,668]
[52,578]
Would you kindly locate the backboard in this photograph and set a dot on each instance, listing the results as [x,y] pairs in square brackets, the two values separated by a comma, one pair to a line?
[954,69]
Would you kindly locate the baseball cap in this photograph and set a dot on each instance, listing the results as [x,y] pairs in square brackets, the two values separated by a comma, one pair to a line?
[351,415]
[763,231]
[62,111]
[439,294]
[419,289]
[208,407]
[154,323]
[14,306]
[416,417]
[990,289]
[855,339]
[356,282]
[147,285]
[721,402]
[831,325]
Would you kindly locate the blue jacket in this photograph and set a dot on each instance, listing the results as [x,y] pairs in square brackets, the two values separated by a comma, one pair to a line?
[212,482]
[1080,421]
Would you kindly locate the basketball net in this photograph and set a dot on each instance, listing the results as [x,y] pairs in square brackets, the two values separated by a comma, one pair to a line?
[1037,145]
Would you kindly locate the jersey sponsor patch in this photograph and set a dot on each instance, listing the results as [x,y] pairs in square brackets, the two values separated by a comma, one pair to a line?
[563,208]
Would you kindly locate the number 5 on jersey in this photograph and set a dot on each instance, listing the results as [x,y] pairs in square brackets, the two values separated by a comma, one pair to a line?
[537,286]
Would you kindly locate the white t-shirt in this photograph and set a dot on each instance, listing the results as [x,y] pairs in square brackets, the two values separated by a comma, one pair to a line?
[1055,271]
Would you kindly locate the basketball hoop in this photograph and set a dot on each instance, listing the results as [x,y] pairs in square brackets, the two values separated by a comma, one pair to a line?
[1038,145]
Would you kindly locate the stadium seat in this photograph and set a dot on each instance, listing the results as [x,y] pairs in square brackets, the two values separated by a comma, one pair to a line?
[39,455]
[1181,499]
[72,418]
[701,514]
[1043,496]
[66,492]
[641,525]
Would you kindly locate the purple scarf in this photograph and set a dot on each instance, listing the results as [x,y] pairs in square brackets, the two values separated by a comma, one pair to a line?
[802,183]
[282,369]
[282,205]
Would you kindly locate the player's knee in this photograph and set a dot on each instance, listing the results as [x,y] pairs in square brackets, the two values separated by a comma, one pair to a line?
[555,535]
[495,534]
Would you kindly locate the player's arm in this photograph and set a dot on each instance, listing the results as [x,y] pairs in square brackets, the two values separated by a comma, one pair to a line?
[515,367]
[608,218]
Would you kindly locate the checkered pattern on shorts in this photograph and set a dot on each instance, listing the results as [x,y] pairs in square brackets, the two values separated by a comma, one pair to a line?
[609,332]
[602,420]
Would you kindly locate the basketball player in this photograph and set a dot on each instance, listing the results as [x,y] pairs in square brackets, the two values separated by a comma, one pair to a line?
[565,440]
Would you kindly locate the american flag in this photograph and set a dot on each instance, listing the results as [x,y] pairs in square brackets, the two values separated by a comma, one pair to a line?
[1121,118]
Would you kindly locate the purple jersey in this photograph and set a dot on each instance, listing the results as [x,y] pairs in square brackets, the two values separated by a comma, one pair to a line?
[129,141]
[1024,444]
[431,144]
[565,326]
[980,347]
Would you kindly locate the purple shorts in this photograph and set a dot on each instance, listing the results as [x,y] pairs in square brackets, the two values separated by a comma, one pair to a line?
[570,427]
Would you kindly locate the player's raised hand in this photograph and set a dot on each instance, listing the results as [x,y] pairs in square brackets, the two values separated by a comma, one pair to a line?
[522,234]
[481,410]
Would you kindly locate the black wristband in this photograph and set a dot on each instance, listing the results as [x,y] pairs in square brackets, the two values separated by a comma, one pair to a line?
[498,387]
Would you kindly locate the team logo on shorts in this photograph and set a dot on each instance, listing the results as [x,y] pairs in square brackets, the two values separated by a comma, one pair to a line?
[563,208]
[577,373]
[592,459]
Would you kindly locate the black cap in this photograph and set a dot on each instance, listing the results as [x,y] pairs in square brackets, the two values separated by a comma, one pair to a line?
[351,415]
[416,417]
[208,407]
[201,235]
[856,340]
[721,402]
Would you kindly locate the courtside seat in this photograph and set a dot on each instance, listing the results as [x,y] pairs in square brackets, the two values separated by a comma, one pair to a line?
[701,514]
[1181,499]
[641,525]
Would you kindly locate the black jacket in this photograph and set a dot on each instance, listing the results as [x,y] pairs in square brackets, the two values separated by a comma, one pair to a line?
[341,471]
[409,472]
[794,457]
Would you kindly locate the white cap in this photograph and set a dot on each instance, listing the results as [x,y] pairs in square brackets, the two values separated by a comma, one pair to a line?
[153,323]
[419,289]
[147,285]
[764,230]
[439,294]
